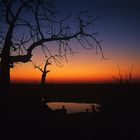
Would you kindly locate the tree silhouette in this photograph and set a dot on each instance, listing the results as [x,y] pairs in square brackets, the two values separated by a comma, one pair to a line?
[43,70]
[124,77]
[28,24]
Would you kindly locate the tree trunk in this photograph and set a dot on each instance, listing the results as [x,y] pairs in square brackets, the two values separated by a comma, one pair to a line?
[43,79]
[5,73]
[5,64]
[5,58]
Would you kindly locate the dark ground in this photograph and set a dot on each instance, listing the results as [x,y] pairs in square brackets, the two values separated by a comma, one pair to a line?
[23,117]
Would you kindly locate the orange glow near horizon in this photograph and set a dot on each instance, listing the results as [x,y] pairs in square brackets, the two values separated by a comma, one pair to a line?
[84,67]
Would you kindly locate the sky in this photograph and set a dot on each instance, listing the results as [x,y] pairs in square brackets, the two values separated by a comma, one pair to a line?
[119,30]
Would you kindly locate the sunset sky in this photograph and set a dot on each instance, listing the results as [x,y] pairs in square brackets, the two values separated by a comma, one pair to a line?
[119,30]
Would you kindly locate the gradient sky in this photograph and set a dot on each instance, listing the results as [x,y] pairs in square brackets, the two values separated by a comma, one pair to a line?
[118,27]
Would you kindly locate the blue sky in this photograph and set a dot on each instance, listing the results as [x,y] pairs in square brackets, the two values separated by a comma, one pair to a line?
[118,27]
[119,23]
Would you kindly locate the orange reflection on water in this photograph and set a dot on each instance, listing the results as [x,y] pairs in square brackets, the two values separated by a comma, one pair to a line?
[73,107]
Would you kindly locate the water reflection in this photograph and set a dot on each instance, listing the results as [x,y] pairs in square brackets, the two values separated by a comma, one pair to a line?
[74,107]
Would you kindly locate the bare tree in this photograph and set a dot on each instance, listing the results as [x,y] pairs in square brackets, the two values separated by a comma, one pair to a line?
[28,24]
[124,77]
[44,71]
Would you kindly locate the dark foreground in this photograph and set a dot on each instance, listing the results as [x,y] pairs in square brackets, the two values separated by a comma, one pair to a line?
[24,117]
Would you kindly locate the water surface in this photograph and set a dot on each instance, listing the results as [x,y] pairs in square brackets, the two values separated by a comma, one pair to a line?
[74,107]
